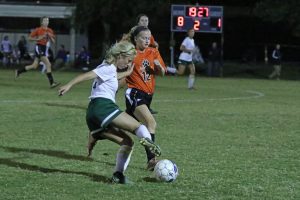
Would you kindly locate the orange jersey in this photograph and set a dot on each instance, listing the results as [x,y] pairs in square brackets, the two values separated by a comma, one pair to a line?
[42,31]
[140,78]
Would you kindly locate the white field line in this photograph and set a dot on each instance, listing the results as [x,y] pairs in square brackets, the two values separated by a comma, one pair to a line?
[253,95]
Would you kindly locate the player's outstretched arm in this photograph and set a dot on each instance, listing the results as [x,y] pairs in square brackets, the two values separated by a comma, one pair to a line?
[160,68]
[82,77]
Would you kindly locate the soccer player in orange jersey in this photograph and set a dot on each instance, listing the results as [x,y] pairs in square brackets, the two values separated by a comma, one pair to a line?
[143,20]
[141,83]
[41,36]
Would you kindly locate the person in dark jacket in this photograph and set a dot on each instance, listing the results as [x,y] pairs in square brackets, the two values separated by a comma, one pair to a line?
[276,59]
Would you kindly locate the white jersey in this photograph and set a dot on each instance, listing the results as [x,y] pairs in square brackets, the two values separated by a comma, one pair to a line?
[6,46]
[106,84]
[190,45]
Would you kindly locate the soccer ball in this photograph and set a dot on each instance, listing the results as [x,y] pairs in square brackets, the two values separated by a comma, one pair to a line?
[165,171]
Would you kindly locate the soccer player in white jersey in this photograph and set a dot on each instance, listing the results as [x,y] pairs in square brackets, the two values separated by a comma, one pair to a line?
[104,118]
[187,48]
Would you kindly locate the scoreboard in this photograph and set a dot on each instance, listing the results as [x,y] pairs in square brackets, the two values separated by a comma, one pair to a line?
[201,18]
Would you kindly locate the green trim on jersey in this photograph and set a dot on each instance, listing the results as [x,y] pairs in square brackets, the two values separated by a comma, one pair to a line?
[100,113]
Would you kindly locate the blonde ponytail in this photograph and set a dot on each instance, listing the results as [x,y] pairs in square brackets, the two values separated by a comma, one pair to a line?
[121,48]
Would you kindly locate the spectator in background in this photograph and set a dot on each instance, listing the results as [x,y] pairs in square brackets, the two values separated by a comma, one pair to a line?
[6,49]
[214,61]
[83,59]
[22,46]
[60,58]
[276,59]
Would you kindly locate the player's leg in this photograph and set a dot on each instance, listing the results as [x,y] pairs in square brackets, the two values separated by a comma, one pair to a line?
[181,69]
[191,79]
[126,122]
[46,61]
[143,114]
[124,154]
[34,65]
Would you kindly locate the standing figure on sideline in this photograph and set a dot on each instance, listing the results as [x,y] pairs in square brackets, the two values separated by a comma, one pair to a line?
[41,35]
[6,49]
[186,58]
[141,84]
[22,46]
[104,118]
[276,58]
[214,61]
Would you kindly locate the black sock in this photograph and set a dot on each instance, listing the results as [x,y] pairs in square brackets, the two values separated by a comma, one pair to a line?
[150,155]
[50,77]
[152,137]
[20,71]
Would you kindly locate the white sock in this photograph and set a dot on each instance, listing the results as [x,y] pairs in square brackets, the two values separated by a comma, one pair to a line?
[172,70]
[123,158]
[142,132]
[191,81]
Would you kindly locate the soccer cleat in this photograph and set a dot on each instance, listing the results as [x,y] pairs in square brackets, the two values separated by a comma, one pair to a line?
[146,142]
[119,178]
[151,164]
[54,84]
[91,143]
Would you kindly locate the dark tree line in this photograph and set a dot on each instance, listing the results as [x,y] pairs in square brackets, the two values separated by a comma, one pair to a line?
[105,20]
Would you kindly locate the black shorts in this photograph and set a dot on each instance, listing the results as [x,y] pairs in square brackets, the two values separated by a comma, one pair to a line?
[135,98]
[40,50]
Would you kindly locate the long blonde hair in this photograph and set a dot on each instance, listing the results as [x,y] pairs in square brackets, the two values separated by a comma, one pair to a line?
[124,48]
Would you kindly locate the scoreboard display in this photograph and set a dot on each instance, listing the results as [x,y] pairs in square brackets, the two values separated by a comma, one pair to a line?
[201,18]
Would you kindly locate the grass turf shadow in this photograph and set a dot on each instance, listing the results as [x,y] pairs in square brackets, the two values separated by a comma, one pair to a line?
[11,163]
[58,154]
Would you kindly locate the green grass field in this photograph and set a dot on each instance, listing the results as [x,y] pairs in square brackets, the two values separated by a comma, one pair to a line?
[231,139]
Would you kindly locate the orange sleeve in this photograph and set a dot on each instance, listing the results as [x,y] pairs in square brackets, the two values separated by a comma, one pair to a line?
[158,56]
[34,33]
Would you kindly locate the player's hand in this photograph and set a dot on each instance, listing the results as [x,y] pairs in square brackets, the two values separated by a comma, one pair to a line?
[130,68]
[63,89]
[156,62]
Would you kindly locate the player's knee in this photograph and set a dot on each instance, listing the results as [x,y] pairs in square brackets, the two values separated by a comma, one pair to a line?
[151,124]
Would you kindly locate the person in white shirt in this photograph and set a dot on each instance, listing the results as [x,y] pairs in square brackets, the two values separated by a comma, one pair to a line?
[6,49]
[187,48]
[104,118]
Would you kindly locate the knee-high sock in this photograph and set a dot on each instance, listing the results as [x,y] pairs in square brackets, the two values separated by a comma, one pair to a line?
[50,77]
[150,155]
[123,158]
[142,132]
[191,81]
